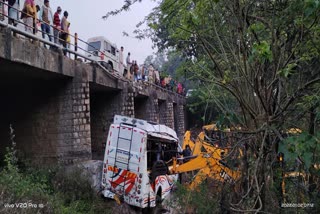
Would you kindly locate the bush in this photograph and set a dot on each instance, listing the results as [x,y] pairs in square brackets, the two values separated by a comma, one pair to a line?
[202,200]
[56,190]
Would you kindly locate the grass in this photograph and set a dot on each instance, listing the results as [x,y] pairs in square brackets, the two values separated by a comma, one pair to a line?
[39,190]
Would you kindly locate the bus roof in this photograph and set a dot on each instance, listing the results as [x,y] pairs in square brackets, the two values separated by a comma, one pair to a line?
[155,130]
[100,38]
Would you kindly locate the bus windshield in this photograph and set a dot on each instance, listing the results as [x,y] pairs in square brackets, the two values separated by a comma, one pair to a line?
[94,46]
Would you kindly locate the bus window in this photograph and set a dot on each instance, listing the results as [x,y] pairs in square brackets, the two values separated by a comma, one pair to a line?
[160,150]
[152,151]
[106,47]
[93,46]
[113,50]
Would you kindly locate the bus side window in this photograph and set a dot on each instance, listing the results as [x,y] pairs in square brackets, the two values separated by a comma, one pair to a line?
[106,47]
[113,50]
[152,148]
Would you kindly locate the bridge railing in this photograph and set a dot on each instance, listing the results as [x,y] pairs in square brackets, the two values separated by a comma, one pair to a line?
[79,47]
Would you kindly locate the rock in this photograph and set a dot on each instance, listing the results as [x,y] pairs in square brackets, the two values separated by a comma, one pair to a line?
[92,169]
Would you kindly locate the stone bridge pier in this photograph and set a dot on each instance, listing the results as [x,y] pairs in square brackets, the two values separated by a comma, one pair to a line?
[61,109]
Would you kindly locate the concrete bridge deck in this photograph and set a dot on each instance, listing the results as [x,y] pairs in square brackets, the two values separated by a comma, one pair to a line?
[61,108]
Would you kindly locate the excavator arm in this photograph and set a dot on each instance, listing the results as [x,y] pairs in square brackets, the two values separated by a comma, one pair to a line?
[209,163]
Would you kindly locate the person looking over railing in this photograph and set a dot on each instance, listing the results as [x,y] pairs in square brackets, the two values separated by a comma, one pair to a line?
[157,77]
[46,17]
[128,61]
[56,25]
[135,70]
[121,67]
[64,31]
[29,14]
[68,38]
[151,75]
[13,10]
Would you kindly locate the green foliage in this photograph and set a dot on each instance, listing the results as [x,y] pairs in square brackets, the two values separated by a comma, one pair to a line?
[58,191]
[261,51]
[303,146]
[201,200]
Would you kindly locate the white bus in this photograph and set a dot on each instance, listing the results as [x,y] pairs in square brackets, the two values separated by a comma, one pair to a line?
[137,162]
[102,50]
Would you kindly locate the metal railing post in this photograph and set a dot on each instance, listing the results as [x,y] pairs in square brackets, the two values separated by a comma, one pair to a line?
[75,45]
[34,25]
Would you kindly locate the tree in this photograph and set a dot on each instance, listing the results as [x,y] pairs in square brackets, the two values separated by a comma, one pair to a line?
[265,54]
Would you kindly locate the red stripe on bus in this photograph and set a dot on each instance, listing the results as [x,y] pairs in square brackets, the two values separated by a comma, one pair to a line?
[110,134]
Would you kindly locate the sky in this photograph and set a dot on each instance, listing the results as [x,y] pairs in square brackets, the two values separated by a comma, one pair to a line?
[86,19]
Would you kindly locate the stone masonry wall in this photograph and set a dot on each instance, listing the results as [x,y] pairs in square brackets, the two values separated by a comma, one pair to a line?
[166,115]
[103,108]
[36,128]
[74,136]
[153,110]
[162,111]
[56,128]
[127,102]
[169,115]
[180,117]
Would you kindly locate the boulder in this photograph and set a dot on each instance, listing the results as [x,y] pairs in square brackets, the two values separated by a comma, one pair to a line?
[92,169]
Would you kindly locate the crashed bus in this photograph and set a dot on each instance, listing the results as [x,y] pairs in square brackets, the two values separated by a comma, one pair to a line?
[137,161]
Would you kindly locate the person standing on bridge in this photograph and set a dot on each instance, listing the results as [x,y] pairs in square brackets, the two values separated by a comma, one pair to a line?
[56,25]
[13,11]
[46,17]
[151,75]
[128,65]
[121,67]
[30,14]
[68,38]
[64,31]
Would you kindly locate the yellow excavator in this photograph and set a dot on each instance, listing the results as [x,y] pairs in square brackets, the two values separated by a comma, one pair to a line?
[207,157]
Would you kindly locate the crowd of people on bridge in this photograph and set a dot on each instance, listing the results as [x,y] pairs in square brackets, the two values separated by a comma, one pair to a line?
[56,27]
[33,16]
[148,73]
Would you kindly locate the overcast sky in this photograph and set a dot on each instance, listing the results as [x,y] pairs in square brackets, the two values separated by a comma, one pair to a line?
[86,19]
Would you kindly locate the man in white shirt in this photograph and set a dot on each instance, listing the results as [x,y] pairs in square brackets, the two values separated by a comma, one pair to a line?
[121,67]
[128,66]
[46,17]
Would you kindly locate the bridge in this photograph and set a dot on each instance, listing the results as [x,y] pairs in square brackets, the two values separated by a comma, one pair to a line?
[61,108]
